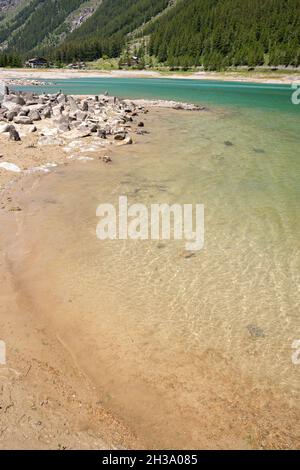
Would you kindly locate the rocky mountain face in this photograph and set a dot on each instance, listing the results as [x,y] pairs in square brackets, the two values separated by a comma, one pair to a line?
[27,26]
[6,5]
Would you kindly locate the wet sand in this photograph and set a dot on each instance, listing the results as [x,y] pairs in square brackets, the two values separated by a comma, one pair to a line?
[47,400]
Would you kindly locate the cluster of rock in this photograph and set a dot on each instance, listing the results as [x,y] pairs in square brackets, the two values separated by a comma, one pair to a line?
[69,117]
[170,104]
[27,82]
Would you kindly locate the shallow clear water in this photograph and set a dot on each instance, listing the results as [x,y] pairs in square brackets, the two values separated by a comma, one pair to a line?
[190,352]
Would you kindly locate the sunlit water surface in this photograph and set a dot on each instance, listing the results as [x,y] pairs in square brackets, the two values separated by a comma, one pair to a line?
[190,351]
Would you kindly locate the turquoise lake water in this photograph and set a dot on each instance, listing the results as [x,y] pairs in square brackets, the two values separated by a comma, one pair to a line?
[218,93]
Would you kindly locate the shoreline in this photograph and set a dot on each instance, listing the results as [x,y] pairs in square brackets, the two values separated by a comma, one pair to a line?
[31,155]
[47,401]
[71,416]
[257,77]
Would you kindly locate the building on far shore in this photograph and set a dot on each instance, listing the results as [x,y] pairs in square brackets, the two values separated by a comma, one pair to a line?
[37,62]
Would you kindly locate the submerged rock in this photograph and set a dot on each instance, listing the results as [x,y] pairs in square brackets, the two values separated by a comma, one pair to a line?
[255,331]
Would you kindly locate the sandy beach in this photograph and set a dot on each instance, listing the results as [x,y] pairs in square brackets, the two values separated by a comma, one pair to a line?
[47,401]
[29,155]
[257,77]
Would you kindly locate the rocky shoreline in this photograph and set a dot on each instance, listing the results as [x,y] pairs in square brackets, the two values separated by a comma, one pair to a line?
[68,117]
[68,127]
[27,82]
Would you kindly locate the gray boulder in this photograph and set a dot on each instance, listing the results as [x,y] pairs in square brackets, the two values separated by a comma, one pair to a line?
[22,120]
[101,133]
[24,112]
[46,112]
[10,106]
[57,110]
[17,99]
[61,99]
[91,126]
[81,115]
[72,104]
[85,106]
[34,115]
[64,126]
[77,134]
[120,136]
[14,134]
[10,115]
[127,141]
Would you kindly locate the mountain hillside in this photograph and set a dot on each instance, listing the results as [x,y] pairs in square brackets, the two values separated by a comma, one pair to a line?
[41,24]
[177,33]
[106,31]
[220,33]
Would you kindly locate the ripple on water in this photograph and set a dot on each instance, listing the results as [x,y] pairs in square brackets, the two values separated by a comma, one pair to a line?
[171,337]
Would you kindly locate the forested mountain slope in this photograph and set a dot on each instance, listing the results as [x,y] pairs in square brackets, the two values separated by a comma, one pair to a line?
[228,32]
[105,32]
[41,23]
[213,33]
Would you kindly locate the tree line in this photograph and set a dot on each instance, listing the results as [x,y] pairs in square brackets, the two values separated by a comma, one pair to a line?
[10,60]
[223,33]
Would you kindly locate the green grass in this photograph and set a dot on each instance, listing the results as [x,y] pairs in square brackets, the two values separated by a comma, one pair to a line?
[104,64]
